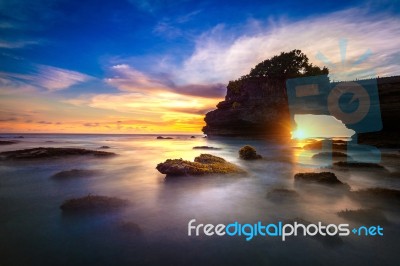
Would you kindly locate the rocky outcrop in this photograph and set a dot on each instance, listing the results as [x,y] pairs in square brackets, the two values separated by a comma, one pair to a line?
[93,203]
[258,107]
[248,153]
[359,165]
[74,173]
[7,142]
[50,153]
[326,178]
[255,107]
[205,164]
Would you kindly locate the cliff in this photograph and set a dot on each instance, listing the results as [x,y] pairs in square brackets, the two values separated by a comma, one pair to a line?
[255,107]
[389,98]
[258,107]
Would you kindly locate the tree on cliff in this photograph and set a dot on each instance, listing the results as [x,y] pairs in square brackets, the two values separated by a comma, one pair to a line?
[287,65]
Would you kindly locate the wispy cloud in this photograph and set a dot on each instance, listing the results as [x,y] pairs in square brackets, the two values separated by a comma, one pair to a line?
[42,76]
[129,79]
[17,44]
[171,27]
[219,57]
[54,79]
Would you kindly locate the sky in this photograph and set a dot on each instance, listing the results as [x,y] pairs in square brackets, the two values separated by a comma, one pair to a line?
[155,66]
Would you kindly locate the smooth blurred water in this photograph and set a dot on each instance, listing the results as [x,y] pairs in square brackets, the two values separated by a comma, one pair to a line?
[34,231]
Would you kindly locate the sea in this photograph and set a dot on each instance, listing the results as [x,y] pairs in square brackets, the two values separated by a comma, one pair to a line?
[153,228]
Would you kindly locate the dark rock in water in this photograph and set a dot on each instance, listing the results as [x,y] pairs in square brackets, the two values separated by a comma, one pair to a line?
[364,216]
[19,137]
[282,194]
[7,142]
[359,165]
[74,173]
[248,153]
[131,227]
[161,137]
[93,203]
[47,153]
[192,137]
[205,148]
[204,164]
[333,155]
[378,192]
[338,145]
[104,147]
[326,178]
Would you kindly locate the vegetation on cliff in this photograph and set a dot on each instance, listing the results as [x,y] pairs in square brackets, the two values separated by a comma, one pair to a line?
[287,65]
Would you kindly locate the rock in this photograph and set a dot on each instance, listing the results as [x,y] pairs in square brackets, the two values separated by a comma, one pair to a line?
[104,147]
[19,137]
[258,107]
[359,165]
[161,137]
[282,194]
[130,227]
[364,216]
[248,153]
[389,99]
[326,178]
[378,192]
[255,107]
[204,164]
[93,203]
[47,153]
[192,137]
[74,173]
[7,142]
[205,148]
[329,155]
[337,145]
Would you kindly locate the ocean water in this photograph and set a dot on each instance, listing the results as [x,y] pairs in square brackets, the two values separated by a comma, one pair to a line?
[34,231]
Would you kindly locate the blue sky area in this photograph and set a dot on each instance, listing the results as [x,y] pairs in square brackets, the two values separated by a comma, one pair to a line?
[87,54]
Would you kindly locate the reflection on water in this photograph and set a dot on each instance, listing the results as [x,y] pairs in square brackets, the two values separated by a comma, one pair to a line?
[34,231]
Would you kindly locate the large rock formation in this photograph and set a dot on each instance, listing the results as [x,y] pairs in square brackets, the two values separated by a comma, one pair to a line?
[258,107]
[255,107]
[389,98]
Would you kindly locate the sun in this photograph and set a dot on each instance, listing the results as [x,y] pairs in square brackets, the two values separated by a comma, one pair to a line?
[299,134]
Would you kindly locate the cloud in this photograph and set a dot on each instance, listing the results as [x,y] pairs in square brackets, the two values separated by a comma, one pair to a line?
[42,76]
[153,6]
[17,44]
[45,122]
[91,124]
[54,79]
[171,27]
[218,57]
[126,78]
[10,119]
